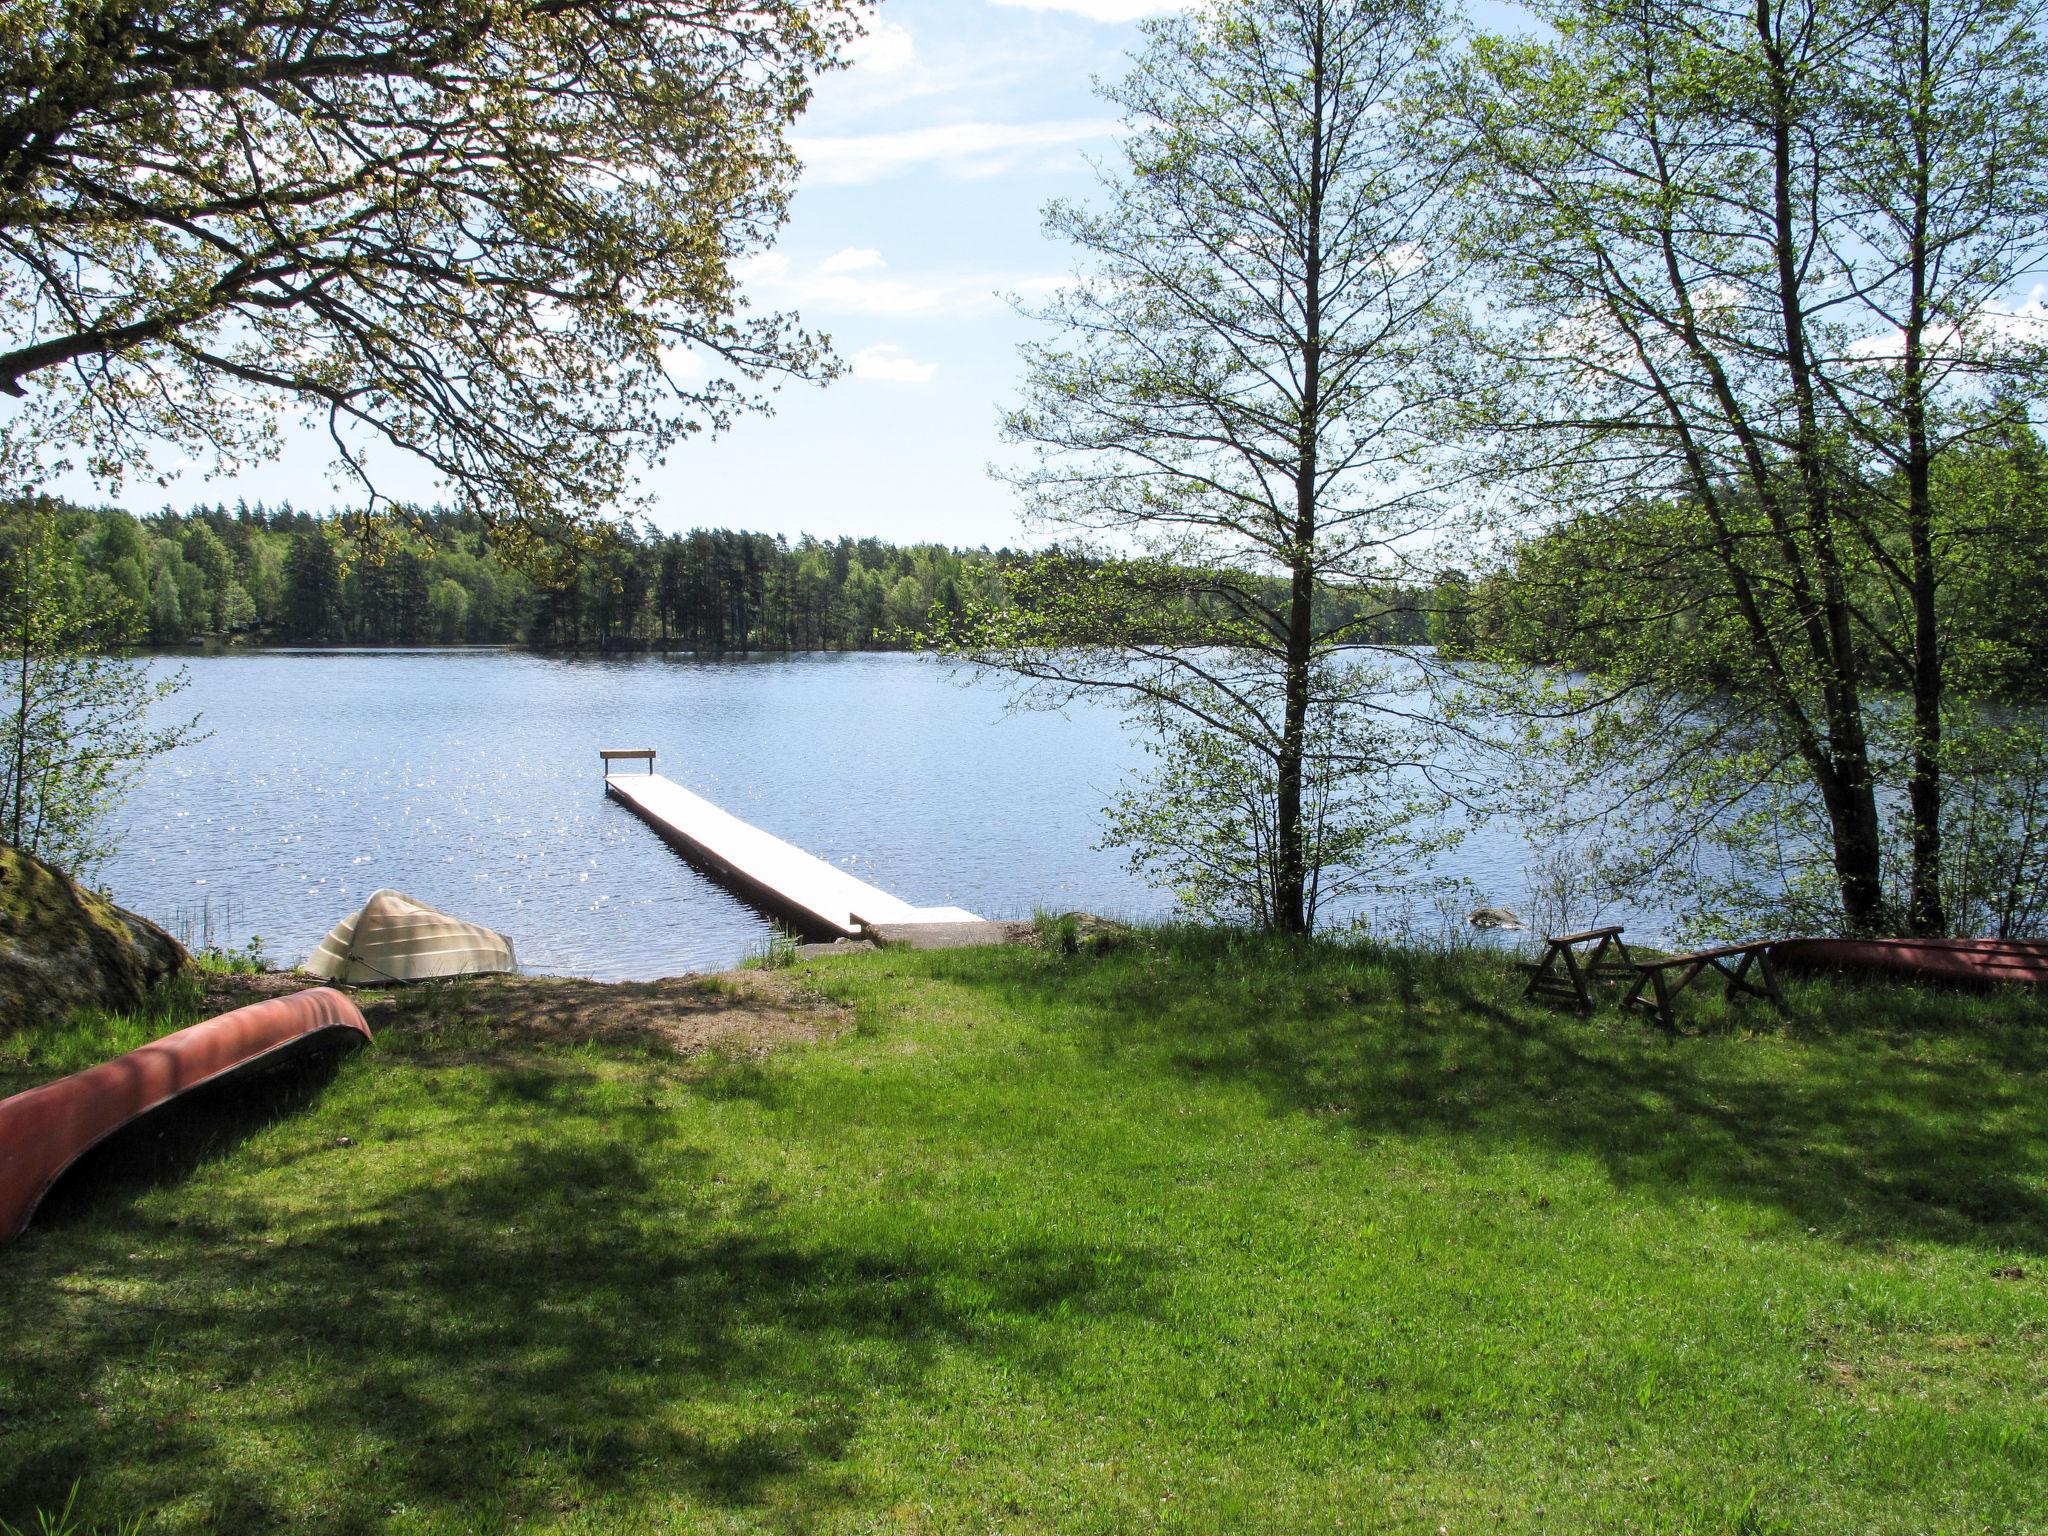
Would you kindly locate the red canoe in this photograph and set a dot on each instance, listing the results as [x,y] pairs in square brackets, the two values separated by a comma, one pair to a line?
[46,1129]
[1967,962]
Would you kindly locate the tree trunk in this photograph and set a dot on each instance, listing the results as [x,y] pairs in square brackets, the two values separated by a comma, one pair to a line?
[1291,912]
[1851,798]
[1290,896]
[1925,914]
[26,597]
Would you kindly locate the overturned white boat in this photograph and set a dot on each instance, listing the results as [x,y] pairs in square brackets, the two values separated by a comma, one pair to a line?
[396,939]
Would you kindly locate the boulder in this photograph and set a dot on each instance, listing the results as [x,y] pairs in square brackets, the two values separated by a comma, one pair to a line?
[63,947]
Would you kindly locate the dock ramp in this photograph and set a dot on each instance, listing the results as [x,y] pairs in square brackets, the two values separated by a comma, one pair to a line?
[815,898]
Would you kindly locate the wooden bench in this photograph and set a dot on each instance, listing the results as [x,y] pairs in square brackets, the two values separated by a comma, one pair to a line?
[633,754]
[1561,976]
[1746,959]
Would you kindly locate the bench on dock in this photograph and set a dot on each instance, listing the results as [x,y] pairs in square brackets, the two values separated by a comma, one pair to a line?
[626,754]
[1562,976]
[1734,963]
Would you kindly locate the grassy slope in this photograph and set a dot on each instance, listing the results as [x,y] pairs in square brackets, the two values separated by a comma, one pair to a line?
[1203,1236]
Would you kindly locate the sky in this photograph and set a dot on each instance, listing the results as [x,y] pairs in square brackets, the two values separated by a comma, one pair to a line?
[928,165]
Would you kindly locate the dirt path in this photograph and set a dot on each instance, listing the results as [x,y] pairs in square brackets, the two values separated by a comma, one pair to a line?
[747,1011]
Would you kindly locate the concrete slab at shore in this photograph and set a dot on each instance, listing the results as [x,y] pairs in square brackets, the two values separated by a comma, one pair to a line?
[949,935]
[814,897]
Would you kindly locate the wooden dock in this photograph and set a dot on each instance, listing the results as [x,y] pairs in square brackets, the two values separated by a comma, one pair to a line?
[813,897]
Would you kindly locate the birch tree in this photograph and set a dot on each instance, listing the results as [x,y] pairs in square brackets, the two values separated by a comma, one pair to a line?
[1758,262]
[78,720]
[1225,436]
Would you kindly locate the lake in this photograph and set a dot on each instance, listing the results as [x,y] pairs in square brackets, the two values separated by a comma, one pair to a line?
[470,780]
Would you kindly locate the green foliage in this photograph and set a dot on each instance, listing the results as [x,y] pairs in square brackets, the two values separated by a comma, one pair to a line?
[1994,866]
[1748,369]
[79,720]
[1991,521]
[249,959]
[779,952]
[1227,430]
[1638,587]
[312,602]
[485,234]
[1203,824]
[1059,933]
[431,576]
[1669,739]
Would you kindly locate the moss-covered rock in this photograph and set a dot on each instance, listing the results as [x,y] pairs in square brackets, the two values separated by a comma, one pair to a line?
[63,947]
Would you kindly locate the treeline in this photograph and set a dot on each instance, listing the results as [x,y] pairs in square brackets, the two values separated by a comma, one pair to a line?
[1641,588]
[260,574]
[277,575]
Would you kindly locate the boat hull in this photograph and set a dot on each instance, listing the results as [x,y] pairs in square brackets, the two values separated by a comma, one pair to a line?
[394,939]
[1960,962]
[43,1131]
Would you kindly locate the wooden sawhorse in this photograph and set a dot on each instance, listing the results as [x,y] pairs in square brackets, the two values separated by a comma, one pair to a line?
[1562,977]
[1753,958]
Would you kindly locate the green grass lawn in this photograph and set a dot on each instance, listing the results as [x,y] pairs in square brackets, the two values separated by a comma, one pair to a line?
[1200,1234]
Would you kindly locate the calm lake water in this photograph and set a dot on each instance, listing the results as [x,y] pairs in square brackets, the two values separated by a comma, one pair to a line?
[470,780]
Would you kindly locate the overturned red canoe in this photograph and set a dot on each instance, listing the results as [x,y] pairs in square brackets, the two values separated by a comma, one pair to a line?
[45,1130]
[1968,962]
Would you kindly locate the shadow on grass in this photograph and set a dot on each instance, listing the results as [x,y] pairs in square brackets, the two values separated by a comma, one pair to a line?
[550,1322]
[166,1145]
[1877,1113]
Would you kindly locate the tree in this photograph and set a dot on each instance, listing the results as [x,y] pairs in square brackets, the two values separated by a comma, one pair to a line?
[450,608]
[167,624]
[77,729]
[485,234]
[1754,257]
[312,601]
[1229,431]
[237,608]
[215,569]
[905,608]
[1952,126]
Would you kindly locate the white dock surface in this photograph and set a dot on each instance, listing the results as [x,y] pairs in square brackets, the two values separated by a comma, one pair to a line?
[774,873]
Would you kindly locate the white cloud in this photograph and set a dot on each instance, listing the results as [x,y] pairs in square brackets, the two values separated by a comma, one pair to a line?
[1407,257]
[1994,329]
[853,259]
[684,366]
[964,150]
[890,364]
[897,297]
[887,49]
[855,282]
[1102,10]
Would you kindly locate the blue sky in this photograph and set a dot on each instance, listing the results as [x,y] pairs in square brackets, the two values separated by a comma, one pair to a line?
[927,165]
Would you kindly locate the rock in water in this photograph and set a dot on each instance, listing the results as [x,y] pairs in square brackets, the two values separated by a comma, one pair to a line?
[1494,917]
[63,947]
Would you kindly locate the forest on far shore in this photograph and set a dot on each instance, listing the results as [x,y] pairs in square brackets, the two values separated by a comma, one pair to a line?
[254,574]
[280,575]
